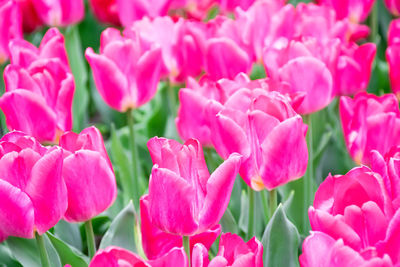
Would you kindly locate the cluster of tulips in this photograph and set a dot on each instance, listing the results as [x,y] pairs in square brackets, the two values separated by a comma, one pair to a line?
[245,82]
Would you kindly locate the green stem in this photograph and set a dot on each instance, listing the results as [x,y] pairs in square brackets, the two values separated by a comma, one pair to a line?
[374,22]
[308,177]
[273,202]
[90,238]
[264,202]
[186,246]
[250,229]
[44,257]
[135,176]
[172,99]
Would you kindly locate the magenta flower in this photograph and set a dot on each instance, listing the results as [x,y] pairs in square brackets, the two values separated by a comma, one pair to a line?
[366,121]
[88,174]
[233,251]
[393,6]
[106,11]
[136,69]
[32,191]
[355,10]
[180,175]
[39,88]
[393,56]
[262,127]
[231,5]
[10,27]
[30,18]
[115,256]
[60,12]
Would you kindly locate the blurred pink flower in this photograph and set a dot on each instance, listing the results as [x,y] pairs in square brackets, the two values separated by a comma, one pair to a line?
[10,27]
[30,18]
[355,10]
[60,12]
[133,10]
[393,6]
[393,56]
[106,11]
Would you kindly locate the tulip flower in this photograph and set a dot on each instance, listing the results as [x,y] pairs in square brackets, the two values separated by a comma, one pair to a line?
[393,6]
[233,251]
[393,56]
[39,88]
[10,27]
[59,12]
[356,218]
[30,18]
[136,70]
[180,175]
[356,11]
[366,121]
[106,11]
[262,127]
[115,256]
[32,191]
[231,5]
[88,174]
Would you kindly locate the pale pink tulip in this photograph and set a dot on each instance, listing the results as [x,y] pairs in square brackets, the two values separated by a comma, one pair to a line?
[60,12]
[393,56]
[32,191]
[180,175]
[10,27]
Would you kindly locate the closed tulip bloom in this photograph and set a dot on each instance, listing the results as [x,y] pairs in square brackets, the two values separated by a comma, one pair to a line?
[30,18]
[136,69]
[10,27]
[393,56]
[393,6]
[262,127]
[119,257]
[60,12]
[32,191]
[233,251]
[231,5]
[131,11]
[180,175]
[88,174]
[106,11]
[39,88]
[366,121]
[355,10]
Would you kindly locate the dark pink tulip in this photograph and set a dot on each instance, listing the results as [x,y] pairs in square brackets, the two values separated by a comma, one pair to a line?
[231,5]
[88,174]
[39,88]
[393,6]
[393,56]
[136,69]
[180,175]
[262,127]
[30,18]
[131,11]
[157,243]
[119,257]
[233,251]
[366,121]
[60,12]
[10,27]
[105,11]
[32,191]
[355,10]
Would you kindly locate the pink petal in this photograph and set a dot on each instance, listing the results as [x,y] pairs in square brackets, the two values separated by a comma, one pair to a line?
[114,256]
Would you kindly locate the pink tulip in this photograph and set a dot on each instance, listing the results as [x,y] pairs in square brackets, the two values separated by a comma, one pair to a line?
[355,10]
[136,70]
[262,127]
[88,174]
[39,88]
[233,251]
[10,27]
[32,191]
[106,11]
[60,12]
[366,121]
[393,6]
[231,5]
[30,18]
[180,175]
[393,56]
[357,210]
[119,257]
[131,11]
[157,243]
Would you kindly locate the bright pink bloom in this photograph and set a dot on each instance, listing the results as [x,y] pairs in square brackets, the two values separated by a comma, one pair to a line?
[393,6]
[133,10]
[233,251]
[355,10]
[118,257]
[32,191]
[136,69]
[60,12]
[231,5]
[30,18]
[366,121]
[262,127]
[106,11]
[393,55]
[356,209]
[39,88]
[10,26]
[157,243]
[180,175]
[88,174]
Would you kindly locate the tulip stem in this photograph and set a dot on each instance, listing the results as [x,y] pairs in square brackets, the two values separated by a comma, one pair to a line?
[44,257]
[273,202]
[135,175]
[186,246]
[264,202]
[250,226]
[90,238]
[308,184]
[374,22]
[172,98]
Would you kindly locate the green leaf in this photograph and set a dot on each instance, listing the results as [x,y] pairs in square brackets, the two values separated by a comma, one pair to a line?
[7,260]
[69,233]
[67,253]
[228,223]
[280,241]
[122,230]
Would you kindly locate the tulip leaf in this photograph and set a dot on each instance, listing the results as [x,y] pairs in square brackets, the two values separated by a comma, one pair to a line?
[228,223]
[122,230]
[281,241]
[69,233]
[27,252]
[7,260]
[67,253]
